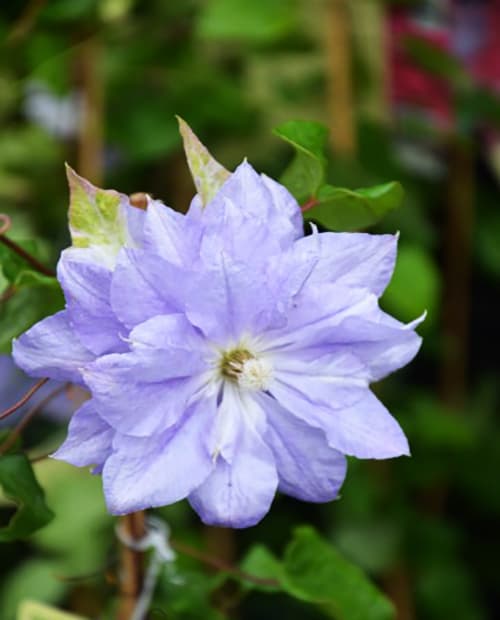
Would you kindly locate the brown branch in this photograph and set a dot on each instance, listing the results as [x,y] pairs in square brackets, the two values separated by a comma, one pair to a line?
[23,400]
[221,565]
[29,258]
[26,21]
[131,575]
[17,430]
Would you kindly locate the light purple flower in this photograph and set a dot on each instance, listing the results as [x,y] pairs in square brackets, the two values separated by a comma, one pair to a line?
[228,356]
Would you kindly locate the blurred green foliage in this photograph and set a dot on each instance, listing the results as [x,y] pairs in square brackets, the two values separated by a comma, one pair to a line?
[424,529]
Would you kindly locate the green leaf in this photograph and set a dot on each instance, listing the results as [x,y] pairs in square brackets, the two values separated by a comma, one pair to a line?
[436,60]
[34,579]
[345,209]
[11,263]
[259,21]
[306,173]
[19,484]
[28,278]
[314,572]
[261,563]
[27,306]
[208,175]
[317,573]
[97,218]
[32,610]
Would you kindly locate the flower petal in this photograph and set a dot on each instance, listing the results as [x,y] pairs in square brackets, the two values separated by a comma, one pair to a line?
[141,394]
[51,349]
[308,468]
[168,234]
[143,286]
[231,300]
[86,286]
[361,427]
[89,438]
[239,494]
[360,260]
[162,469]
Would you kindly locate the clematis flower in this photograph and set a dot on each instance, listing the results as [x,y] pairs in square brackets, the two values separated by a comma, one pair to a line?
[228,356]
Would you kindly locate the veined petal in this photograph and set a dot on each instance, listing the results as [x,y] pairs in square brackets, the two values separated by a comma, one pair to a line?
[360,426]
[308,468]
[168,234]
[226,302]
[238,494]
[285,204]
[86,287]
[89,438]
[360,260]
[162,469]
[143,286]
[51,349]
[139,396]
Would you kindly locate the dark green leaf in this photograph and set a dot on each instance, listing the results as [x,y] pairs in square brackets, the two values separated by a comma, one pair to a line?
[317,573]
[346,209]
[306,173]
[19,484]
[436,60]
[11,263]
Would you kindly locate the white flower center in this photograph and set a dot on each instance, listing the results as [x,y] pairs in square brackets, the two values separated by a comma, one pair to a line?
[255,374]
[246,369]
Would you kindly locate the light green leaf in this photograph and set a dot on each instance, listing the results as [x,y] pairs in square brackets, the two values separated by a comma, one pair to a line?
[34,579]
[20,485]
[258,21]
[315,572]
[345,209]
[97,218]
[208,175]
[306,173]
[32,610]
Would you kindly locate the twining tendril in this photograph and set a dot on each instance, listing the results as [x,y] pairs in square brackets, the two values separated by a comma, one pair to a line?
[17,430]
[22,401]
[5,224]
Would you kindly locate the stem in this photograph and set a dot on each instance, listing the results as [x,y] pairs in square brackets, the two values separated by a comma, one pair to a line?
[457,270]
[24,399]
[221,565]
[31,260]
[11,439]
[309,204]
[131,565]
[339,77]
[90,82]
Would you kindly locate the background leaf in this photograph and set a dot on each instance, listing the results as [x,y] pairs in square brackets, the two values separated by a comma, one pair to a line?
[346,209]
[306,172]
[19,484]
[316,572]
